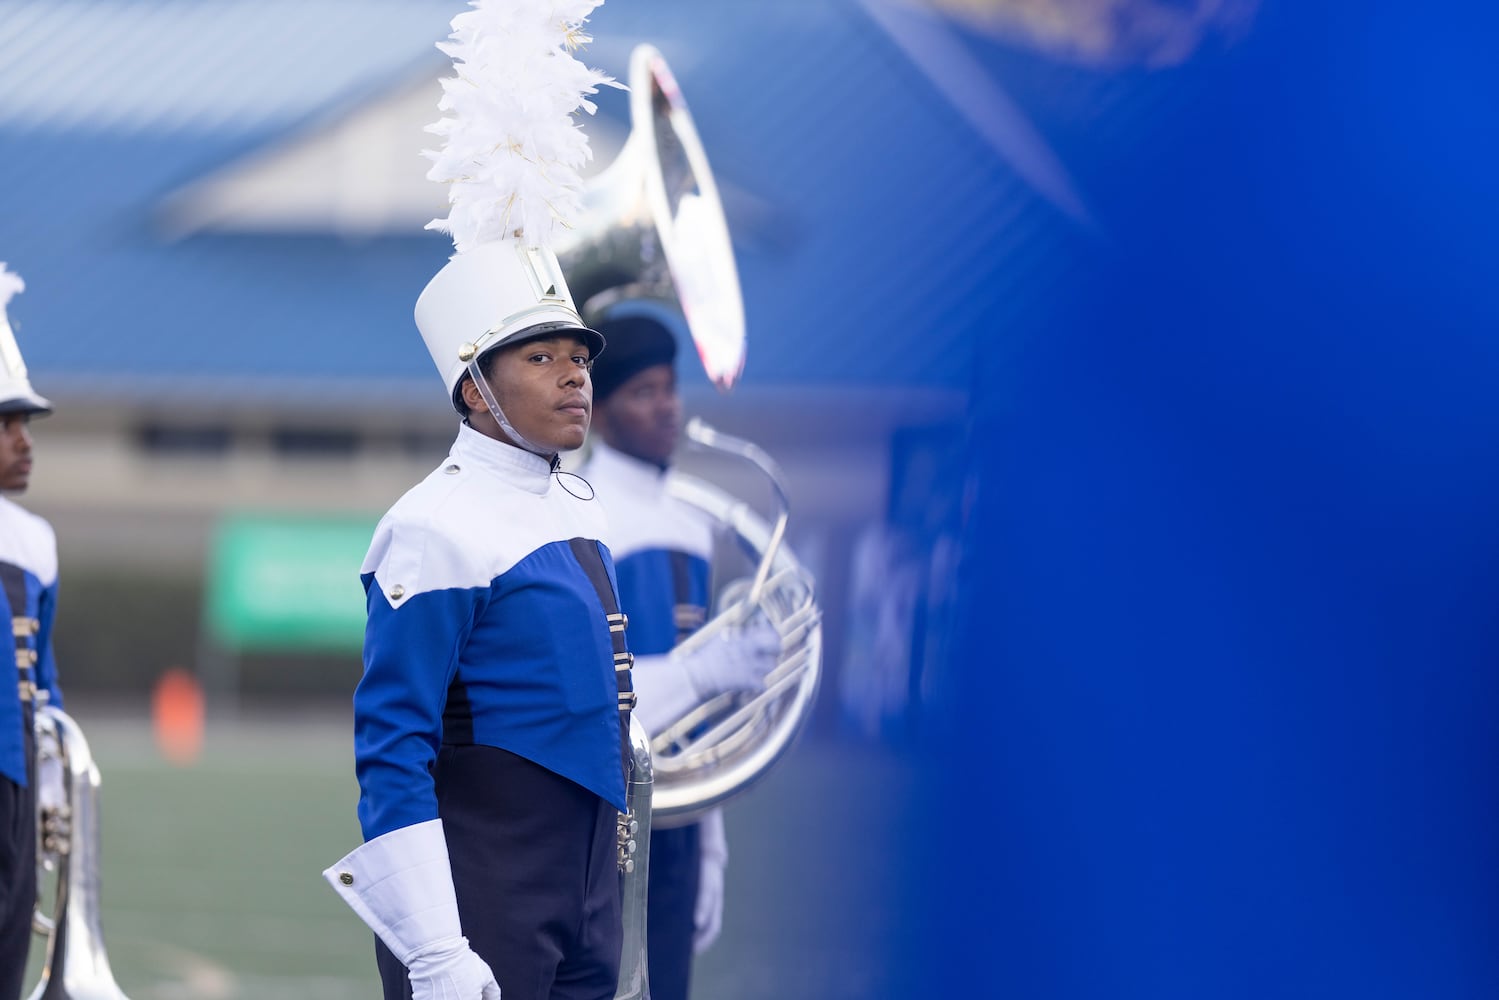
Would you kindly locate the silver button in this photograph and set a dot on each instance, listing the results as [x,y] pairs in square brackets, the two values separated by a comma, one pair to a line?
[347,878]
[397,592]
[451,470]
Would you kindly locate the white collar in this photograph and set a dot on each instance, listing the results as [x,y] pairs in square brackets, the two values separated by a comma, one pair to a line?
[627,471]
[525,469]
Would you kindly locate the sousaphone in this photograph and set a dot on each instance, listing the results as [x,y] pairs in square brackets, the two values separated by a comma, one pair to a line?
[656,234]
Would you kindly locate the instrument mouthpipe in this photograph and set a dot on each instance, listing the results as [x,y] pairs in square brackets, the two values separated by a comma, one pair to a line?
[701,433]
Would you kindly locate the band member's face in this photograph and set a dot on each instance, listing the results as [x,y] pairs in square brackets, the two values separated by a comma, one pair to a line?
[543,387]
[643,417]
[15,452]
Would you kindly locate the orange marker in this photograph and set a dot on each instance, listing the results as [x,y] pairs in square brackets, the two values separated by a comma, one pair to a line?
[177,716]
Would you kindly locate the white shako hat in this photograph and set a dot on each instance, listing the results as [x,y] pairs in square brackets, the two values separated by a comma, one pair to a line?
[511,158]
[16,393]
[497,293]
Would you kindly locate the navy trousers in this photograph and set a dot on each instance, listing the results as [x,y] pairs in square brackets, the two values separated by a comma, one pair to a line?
[17,877]
[536,871]
[671,902]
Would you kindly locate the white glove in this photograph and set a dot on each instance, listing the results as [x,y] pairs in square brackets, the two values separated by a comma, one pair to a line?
[401,885]
[452,973]
[734,659]
[707,916]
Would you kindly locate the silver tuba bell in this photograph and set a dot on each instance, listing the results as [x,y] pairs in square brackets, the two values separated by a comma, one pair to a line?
[653,226]
[76,966]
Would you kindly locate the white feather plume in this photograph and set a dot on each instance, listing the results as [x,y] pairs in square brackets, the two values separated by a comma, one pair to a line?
[512,152]
[10,284]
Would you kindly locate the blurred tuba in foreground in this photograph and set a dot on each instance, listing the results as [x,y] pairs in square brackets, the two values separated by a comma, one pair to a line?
[76,967]
[656,234]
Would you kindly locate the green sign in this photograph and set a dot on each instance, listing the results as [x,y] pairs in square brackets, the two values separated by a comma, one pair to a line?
[288,582]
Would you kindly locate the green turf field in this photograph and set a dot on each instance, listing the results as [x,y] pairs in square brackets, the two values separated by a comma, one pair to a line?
[212,888]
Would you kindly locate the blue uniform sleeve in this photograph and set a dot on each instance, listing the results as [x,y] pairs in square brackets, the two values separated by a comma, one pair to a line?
[46,666]
[411,650]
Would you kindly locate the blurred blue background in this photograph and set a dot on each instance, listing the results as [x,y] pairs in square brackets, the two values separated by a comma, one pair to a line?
[1226,727]
[1132,364]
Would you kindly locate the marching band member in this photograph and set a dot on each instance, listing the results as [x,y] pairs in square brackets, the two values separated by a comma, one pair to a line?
[663,550]
[491,719]
[28,579]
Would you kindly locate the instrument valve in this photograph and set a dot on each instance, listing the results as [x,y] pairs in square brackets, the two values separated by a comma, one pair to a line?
[627,828]
[57,829]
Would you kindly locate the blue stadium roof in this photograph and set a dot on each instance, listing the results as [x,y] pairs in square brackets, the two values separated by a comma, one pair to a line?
[893,239]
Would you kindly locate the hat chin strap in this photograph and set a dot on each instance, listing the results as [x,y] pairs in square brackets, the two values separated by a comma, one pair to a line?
[499,414]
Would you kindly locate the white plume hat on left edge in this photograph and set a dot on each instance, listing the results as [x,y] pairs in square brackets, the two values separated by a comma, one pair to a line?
[16,393]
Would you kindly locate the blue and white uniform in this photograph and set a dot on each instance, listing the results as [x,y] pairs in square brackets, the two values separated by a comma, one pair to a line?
[663,549]
[491,699]
[28,587]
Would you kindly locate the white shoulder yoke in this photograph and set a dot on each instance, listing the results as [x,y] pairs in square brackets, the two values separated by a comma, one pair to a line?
[27,541]
[643,514]
[486,508]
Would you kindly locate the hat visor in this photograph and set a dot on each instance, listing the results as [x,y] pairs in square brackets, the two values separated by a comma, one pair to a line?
[592,338]
[31,404]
